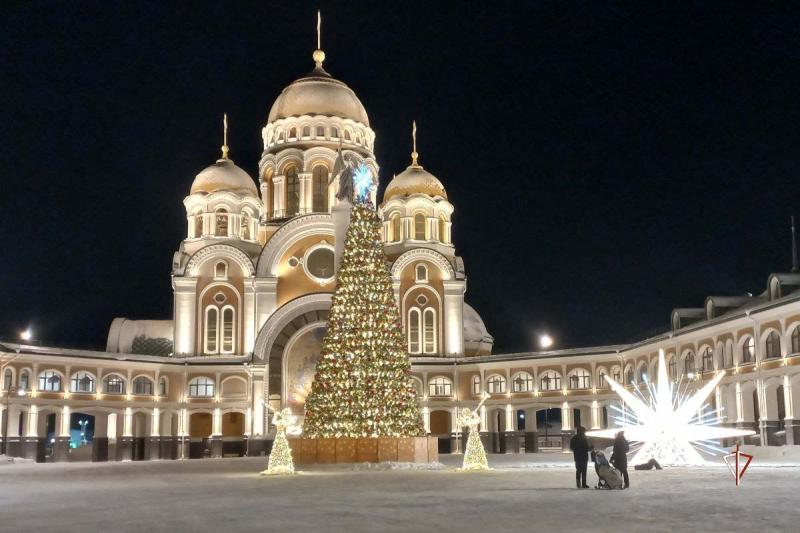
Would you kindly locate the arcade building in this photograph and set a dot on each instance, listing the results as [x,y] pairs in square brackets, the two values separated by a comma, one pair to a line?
[252,284]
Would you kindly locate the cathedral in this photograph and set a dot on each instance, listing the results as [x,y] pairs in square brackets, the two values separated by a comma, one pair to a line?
[252,284]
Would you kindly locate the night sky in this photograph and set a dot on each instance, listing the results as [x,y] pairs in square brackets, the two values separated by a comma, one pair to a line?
[606,163]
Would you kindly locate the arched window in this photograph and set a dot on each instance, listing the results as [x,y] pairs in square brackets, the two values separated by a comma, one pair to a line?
[201,387]
[346,135]
[748,350]
[292,192]
[320,131]
[727,355]
[397,235]
[50,381]
[673,368]
[212,329]
[496,384]
[198,225]
[429,330]
[8,379]
[282,136]
[334,133]
[416,384]
[688,365]
[228,316]
[642,374]
[616,374]
[550,380]
[419,227]
[114,384]
[421,272]
[24,380]
[320,188]
[293,133]
[522,382]
[414,319]
[773,345]
[628,375]
[244,227]
[142,386]
[162,386]
[580,379]
[476,385]
[796,340]
[221,270]
[708,359]
[82,382]
[222,222]
[440,386]
[443,230]
[601,378]
[306,131]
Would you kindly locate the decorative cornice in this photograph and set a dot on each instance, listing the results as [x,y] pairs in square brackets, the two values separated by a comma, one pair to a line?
[448,273]
[220,250]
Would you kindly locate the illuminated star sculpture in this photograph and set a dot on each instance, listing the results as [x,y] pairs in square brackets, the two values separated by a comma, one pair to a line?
[670,426]
[280,458]
[362,182]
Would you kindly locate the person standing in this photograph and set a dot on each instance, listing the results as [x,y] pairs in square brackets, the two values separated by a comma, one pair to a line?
[579,445]
[619,457]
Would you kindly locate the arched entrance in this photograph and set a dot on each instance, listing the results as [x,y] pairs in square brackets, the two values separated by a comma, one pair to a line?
[549,424]
[300,362]
[200,429]
[440,425]
[232,434]
[81,436]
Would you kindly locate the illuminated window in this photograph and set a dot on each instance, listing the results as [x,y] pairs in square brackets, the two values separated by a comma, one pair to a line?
[496,384]
[550,380]
[419,227]
[796,340]
[396,228]
[522,382]
[162,386]
[673,368]
[24,380]
[222,222]
[292,192]
[440,386]
[616,374]
[198,224]
[82,382]
[320,131]
[212,328]
[334,133]
[142,386]
[443,229]
[227,330]
[293,133]
[306,131]
[429,330]
[320,187]
[114,385]
[244,227]
[421,272]
[414,319]
[773,345]
[628,375]
[688,364]
[476,385]
[346,135]
[580,379]
[749,350]
[601,378]
[708,360]
[49,381]
[221,270]
[201,387]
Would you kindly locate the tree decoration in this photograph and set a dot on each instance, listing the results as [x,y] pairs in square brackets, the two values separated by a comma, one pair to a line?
[362,386]
[280,458]
[475,454]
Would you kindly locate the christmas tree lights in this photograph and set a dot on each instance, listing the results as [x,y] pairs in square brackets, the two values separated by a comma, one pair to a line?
[362,387]
[280,458]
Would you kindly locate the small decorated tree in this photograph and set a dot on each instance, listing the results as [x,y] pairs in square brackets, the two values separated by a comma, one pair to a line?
[362,387]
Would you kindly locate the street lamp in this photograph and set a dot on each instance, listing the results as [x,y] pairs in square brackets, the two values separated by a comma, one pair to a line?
[545,341]
[26,335]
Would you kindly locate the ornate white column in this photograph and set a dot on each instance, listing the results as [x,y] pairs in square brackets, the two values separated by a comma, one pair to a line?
[566,417]
[788,398]
[64,430]
[127,428]
[155,423]
[33,421]
[216,429]
[510,425]
[484,420]
[279,196]
[426,419]
[306,196]
[739,405]
[453,319]
[595,415]
[185,297]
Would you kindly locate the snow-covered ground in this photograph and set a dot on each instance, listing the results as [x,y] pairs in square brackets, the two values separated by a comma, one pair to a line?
[523,493]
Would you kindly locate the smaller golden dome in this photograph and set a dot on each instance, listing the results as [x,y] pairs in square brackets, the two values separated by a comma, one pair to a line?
[224,175]
[413,180]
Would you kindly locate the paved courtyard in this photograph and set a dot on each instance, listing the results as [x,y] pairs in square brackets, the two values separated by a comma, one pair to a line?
[228,495]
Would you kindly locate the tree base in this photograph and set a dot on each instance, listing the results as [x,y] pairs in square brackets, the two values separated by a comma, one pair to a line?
[365,450]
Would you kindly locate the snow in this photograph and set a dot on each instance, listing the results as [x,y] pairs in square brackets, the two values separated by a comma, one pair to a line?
[522,492]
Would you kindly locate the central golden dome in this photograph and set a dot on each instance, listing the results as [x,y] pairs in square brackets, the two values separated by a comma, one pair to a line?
[318,94]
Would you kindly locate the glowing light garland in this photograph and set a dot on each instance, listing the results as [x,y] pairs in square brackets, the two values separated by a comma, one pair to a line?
[474,454]
[280,458]
[671,426]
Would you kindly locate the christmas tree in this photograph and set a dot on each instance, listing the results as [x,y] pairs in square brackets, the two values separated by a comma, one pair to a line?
[361,387]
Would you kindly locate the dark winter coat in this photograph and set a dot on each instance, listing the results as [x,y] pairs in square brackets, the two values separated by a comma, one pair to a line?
[580,447]
[619,456]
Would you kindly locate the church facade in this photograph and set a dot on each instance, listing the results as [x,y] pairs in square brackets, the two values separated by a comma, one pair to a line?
[252,284]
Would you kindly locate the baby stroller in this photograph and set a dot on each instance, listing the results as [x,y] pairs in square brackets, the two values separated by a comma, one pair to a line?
[609,477]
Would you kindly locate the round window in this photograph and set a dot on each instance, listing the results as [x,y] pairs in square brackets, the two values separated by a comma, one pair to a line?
[219,297]
[293,262]
[319,263]
[421,300]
